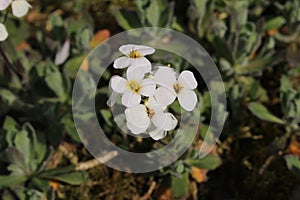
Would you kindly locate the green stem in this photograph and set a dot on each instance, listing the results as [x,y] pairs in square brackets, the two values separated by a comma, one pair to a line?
[10,65]
[5,17]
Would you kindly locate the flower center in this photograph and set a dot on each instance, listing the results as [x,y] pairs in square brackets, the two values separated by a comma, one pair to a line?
[134,54]
[177,87]
[134,86]
[150,112]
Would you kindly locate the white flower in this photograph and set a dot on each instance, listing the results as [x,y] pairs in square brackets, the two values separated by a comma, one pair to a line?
[19,7]
[4,4]
[134,57]
[133,87]
[3,32]
[141,117]
[172,88]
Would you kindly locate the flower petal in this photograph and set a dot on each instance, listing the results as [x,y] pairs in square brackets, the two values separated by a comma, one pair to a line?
[164,121]
[122,62]
[152,103]
[165,77]
[141,62]
[159,120]
[118,84]
[3,32]
[136,129]
[130,99]
[144,50]
[20,7]
[112,99]
[171,122]
[62,54]
[164,97]
[188,80]
[148,87]
[135,73]
[157,134]
[187,99]
[4,4]
[137,119]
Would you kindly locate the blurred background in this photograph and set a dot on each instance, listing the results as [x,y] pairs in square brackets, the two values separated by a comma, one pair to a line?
[256,46]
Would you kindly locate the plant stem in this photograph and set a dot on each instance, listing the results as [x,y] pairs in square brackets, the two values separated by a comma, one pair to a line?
[5,17]
[10,65]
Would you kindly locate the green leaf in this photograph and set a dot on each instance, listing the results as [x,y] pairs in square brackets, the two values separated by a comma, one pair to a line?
[261,112]
[73,178]
[180,185]
[126,19]
[6,181]
[56,20]
[22,143]
[70,128]
[255,65]
[285,84]
[33,194]
[66,175]
[17,192]
[56,171]
[106,114]
[153,12]
[274,23]
[14,156]
[73,65]
[208,162]
[293,163]
[222,49]
[10,124]
[54,80]
[83,37]
[38,148]
[7,96]
[201,8]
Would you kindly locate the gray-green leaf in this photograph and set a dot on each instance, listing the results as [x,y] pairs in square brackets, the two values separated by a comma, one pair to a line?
[261,112]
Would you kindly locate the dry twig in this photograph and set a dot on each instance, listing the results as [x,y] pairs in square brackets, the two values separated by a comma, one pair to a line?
[95,162]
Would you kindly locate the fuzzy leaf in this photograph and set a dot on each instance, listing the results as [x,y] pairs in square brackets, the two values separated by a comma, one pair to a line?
[261,112]
[293,163]
[180,185]
[208,162]
[6,181]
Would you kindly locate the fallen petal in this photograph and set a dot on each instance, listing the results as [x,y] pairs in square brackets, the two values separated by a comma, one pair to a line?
[62,55]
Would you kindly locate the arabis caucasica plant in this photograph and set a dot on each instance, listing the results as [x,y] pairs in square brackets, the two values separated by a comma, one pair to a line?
[19,9]
[147,93]
[134,57]
[134,87]
[3,32]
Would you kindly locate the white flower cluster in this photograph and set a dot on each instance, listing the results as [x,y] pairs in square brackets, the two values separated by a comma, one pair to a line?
[147,93]
[19,9]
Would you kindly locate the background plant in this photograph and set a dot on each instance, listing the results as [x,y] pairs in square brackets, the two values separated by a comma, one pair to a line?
[255,44]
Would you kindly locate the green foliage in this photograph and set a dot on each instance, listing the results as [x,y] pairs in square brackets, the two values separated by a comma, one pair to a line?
[293,163]
[157,13]
[255,45]
[180,185]
[209,162]
[261,112]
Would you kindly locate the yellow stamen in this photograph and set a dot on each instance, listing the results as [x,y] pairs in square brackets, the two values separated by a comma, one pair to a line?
[150,112]
[134,54]
[134,86]
[177,87]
